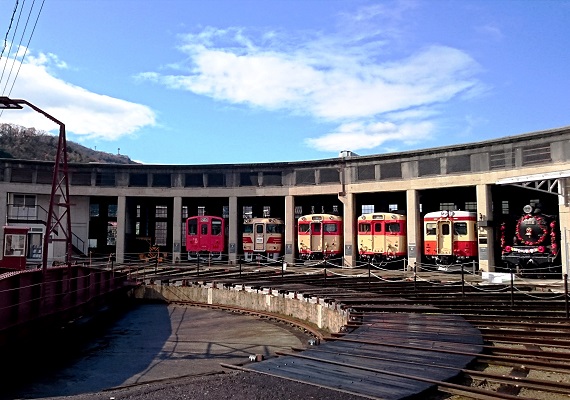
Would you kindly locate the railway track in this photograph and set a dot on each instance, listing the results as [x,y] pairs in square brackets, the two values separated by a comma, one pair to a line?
[525,349]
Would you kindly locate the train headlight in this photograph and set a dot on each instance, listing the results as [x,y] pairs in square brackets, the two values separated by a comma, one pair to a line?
[541,249]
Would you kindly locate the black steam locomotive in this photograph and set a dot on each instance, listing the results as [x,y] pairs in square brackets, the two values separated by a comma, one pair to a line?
[535,244]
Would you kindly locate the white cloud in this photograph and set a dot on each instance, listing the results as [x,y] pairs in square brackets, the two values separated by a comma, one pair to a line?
[83,112]
[346,78]
[359,135]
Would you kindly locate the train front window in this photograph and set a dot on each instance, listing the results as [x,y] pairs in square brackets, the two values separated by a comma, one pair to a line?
[364,227]
[274,228]
[460,228]
[204,229]
[259,228]
[216,227]
[393,227]
[378,227]
[248,228]
[304,228]
[316,228]
[330,228]
[431,229]
[445,230]
[192,227]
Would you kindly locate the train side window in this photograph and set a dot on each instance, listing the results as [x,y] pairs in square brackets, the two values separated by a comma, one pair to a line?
[378,227]
[393,227]
[460,228]
[304,228]
[216,228]
[248,228]
[192,227]
[204,229]
[364,228]
[445,230]
[330,227]
[431,229]
[259,228]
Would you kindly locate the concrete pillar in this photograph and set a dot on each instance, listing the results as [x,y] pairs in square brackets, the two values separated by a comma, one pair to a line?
[177,229]
[349,223]
[3,217]
[290,224]
[121,231]
[233,225]
[414,229]
[485,230]
[564,221]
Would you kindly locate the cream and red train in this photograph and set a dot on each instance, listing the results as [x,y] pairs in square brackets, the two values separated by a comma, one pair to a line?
[382,237]
[450,236]
[319,236]
[263,237]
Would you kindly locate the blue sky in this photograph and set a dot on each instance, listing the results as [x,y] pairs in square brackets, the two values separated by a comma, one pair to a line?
[236,81]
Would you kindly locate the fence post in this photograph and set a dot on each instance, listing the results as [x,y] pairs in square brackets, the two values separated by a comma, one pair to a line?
[415,274]
[463,279]
[512,288]
[566,295]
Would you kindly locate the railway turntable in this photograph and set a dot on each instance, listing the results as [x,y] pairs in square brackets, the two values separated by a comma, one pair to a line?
[389,356]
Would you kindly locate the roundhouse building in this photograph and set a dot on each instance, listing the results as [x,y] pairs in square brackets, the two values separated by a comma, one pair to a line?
[124,209]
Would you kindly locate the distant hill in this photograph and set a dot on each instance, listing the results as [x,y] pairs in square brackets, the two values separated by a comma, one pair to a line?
[29,144]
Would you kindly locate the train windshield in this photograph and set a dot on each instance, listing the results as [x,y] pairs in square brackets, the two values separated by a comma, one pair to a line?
[431,229]
[204,229]
[193,227]
[393,227]
[330,227]
[274,228]
[304,228]
[460,228]
[364,227]
[259,228]
[216,227]
[378,227]
[248,228]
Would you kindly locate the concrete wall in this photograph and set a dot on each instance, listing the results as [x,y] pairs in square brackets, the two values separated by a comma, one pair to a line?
[329,317]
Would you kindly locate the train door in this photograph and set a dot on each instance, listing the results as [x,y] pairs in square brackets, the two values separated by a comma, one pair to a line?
[203,237]
[316,236]
[259,229]
[444,238]
[378,238]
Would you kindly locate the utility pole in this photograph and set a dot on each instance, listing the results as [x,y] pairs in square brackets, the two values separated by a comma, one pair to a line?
[58,223]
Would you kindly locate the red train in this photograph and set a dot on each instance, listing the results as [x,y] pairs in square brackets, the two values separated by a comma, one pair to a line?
[450,236]
[535,240]
[205,235]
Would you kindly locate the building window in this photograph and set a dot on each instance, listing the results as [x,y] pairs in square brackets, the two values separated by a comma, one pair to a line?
[429,167]
[248,179]
[457,164]
[138,180]
[161,180]
[272,179]
[247,212]
[216,180]
[94,210]
[392,207]
[536,154]
[367,208]
[305,177]
[112,211]
[470,206]
[447,206]
[505,207]
[105,179]
[366,172]
[160,232]
[24,200]
[184,212]
[161,212]
[329,175]
[193,180]
[391,171]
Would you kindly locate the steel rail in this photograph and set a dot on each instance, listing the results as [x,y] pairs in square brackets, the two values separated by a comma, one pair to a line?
[529,383]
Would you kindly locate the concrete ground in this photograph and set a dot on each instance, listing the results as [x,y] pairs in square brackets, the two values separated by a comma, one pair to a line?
[155,342]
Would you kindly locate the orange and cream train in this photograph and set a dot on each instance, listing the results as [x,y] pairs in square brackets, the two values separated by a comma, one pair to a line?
[263,237]
[450,236]
[382,236]
[319,236]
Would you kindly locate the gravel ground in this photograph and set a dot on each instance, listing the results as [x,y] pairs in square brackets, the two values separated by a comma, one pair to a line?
[235,385]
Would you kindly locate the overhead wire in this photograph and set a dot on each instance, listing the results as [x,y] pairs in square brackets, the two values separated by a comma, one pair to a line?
[11,78]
